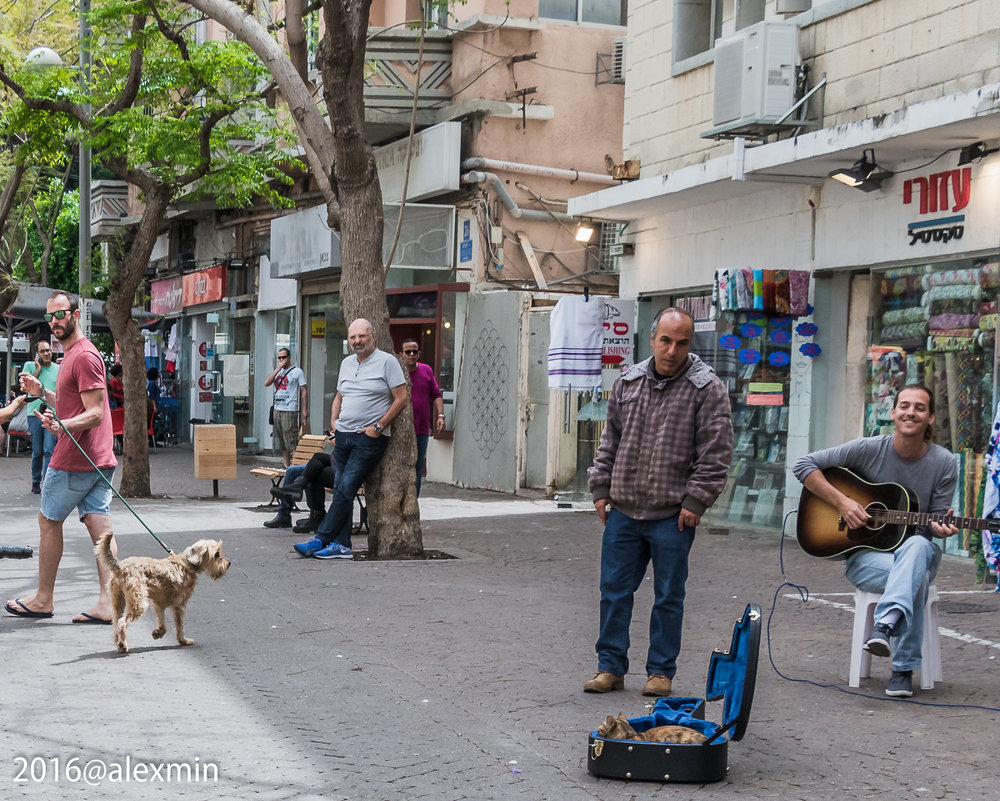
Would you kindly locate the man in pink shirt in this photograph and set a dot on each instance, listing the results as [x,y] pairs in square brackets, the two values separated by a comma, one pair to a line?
[425,394]
[81,403]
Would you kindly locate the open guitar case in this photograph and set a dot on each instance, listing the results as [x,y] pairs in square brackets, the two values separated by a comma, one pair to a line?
[732,677]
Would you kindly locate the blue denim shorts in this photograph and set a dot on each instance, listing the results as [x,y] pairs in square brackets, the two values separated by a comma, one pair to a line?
[87,491]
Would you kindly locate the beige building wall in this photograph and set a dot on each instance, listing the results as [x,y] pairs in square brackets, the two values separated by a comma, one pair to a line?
[878,55]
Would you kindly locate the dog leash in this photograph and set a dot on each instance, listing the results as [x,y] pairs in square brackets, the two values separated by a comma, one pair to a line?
[43,407]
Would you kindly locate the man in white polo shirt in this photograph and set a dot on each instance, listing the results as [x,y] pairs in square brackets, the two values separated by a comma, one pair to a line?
[371,392]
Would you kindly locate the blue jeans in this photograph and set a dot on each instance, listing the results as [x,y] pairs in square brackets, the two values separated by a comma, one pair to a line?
[354,457]
[422,440]
[42,444]
[292,473]
[902,577]
[627,549]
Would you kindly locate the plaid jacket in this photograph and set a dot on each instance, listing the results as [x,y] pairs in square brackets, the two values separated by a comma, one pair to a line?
[667,444]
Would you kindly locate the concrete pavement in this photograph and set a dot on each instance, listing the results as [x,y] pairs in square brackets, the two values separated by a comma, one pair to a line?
[454,679]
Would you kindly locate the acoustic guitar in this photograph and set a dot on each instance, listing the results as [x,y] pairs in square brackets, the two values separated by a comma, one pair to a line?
[893,516]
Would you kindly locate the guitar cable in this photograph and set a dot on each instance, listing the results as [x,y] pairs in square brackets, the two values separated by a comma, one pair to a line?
[803,593]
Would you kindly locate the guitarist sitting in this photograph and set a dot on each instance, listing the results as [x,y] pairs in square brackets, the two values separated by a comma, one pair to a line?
[902,576]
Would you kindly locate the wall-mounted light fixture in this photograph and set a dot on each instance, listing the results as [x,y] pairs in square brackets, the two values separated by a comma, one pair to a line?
[974,152]
[584,232]
[865,175]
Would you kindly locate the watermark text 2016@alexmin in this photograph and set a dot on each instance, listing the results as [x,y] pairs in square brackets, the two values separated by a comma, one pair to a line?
[93,772]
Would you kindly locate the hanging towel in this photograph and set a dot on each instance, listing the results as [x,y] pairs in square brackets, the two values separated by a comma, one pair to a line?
[576,330]
[798,292]
[782,296]
[758,290]
[769,291]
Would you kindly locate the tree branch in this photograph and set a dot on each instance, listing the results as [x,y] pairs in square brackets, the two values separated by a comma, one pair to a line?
[312,127]
[130,91]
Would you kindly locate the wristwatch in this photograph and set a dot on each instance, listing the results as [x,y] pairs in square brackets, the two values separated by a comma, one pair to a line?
[378,428]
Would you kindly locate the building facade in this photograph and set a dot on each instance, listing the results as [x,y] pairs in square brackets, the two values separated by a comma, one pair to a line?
[740,132]
[519,108]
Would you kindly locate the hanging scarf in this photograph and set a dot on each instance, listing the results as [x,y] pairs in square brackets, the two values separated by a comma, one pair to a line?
[991,500]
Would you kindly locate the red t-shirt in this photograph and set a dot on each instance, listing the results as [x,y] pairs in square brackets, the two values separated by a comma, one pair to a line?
[82,369]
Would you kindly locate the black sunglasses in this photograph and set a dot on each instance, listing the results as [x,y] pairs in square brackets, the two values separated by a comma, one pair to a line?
[410,352]
[57,314]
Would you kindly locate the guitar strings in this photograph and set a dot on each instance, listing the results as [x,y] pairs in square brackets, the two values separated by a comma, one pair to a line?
[803,593]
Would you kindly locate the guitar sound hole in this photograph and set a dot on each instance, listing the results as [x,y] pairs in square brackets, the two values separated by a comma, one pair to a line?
[877,513]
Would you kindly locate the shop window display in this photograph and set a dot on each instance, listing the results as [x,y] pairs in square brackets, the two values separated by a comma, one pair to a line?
[937,327]
[750,351]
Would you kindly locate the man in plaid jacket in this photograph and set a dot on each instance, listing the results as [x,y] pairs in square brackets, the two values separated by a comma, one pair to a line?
[662,462]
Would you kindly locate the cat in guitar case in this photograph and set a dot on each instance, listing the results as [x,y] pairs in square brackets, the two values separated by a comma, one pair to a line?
[893,511]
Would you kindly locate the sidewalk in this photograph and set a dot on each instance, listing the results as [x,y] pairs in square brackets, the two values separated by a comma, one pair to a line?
[459,678]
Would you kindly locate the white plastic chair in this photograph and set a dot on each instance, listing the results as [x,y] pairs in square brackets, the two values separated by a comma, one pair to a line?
[930,649]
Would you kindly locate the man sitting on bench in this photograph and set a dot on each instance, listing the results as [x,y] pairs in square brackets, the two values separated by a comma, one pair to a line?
[313,478]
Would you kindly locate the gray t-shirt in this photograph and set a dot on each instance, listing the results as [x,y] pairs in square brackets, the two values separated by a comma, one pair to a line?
[932,477]
[366,388]
[286,389]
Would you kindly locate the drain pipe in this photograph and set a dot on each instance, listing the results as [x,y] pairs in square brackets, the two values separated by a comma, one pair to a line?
[478,163]
[493,180]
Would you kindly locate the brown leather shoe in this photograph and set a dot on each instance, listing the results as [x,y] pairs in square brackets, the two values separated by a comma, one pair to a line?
[604,682]
[657,686]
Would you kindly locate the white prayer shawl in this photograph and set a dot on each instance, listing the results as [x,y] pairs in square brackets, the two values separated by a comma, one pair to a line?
[576,333]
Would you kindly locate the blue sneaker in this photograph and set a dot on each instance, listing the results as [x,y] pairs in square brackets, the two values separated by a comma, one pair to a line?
[334,551]
[307,549]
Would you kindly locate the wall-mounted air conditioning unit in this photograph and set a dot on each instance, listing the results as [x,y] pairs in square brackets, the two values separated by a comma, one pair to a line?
[755,74]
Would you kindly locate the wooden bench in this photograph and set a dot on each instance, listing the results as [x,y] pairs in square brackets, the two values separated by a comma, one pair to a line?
[308,445]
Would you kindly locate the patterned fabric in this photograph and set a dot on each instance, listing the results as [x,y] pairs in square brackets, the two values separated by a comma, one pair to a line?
[909,272]
[947,321]
[988,322]
[758,290]
[990,275]
[951,343]
[969,275]
[962,392]
[909,314]
[894,333]
[953,332]
[991,499]
[953,306]
[952,291]
[744,288]
[989,307]
[798,292]
[942,425]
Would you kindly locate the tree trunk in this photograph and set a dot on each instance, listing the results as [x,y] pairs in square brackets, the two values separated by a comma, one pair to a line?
[393,513]
[124,283]
[343,164]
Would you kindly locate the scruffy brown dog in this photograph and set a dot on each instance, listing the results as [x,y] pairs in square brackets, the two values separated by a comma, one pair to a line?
[166,583]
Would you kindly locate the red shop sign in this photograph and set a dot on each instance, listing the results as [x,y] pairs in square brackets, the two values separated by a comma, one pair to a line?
[205,286]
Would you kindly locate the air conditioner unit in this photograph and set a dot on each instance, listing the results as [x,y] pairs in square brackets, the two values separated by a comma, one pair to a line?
[618,60]
[755,74]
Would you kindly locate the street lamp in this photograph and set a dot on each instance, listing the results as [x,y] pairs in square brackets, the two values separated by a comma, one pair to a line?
[84,270]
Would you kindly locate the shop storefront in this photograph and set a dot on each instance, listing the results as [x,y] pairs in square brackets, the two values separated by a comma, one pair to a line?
[936,326]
